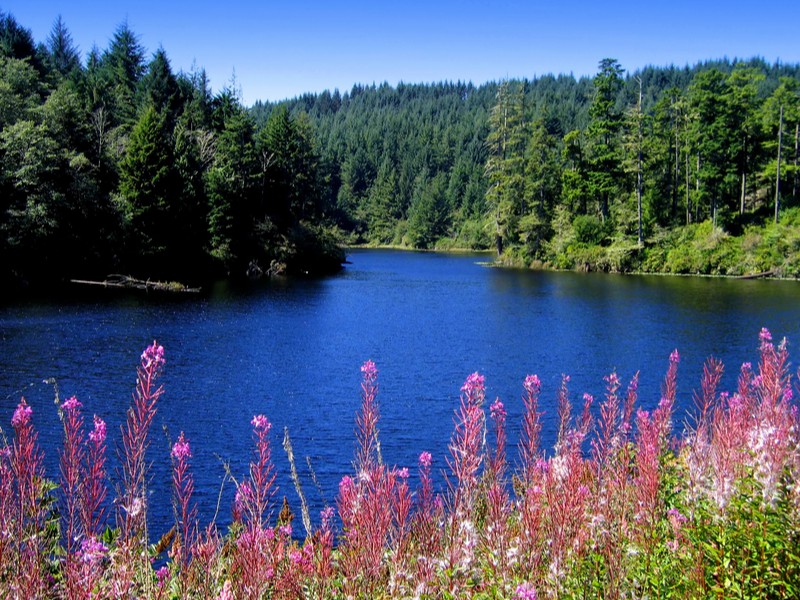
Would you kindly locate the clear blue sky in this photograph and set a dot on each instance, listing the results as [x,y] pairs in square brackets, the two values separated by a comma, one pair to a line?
[281,49]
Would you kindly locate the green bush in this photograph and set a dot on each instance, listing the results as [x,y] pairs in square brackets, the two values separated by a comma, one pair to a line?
[589,229]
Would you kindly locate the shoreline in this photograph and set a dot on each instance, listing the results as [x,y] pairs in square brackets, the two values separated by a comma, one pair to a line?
[494,263]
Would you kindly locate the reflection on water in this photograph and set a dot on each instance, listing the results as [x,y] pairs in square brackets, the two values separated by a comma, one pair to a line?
[292,349]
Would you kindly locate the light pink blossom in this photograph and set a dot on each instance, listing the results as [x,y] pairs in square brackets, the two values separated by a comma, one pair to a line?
[153,356]
[22,415]
[475,383]
[261,423]
[425,460]
[369,369]
[181,450]
[71,404]
[497,411]
[98,434]
[525,591]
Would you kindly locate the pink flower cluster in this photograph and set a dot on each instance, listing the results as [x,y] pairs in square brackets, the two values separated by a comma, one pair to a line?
[71,404]
[425,460]
[261,423]
[92,550]
[474,384]
[181,450]
[525,591]
[369,369]
[153,356]
[22,415]
[98,434]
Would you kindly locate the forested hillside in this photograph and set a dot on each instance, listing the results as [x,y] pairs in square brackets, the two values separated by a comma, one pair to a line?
[117,163]
[664,169]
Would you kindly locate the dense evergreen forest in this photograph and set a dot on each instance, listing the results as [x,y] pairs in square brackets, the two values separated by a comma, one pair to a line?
[682,170]
[116,163]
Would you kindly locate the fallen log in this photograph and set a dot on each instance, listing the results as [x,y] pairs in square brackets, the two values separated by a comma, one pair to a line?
[757,275]
[131,283]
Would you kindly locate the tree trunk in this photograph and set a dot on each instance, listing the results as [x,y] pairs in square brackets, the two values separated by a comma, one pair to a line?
[744,193]
[688,199]
[697,191]
[778,168]
[743,196]
[796,153]
[639,166]
[677,176]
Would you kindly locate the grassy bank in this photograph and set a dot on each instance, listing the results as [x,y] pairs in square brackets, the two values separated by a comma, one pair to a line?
[697,249]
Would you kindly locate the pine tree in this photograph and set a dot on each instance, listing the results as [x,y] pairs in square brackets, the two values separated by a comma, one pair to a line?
[148,187]
[603,135]
[505,167]
[63,56]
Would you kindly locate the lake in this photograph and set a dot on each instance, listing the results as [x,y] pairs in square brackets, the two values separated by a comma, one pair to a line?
[292,349]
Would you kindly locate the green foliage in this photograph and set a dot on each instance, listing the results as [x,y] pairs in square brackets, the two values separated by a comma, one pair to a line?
[749,548]
[147,185]
[522,166]
[589,230]
[428,216]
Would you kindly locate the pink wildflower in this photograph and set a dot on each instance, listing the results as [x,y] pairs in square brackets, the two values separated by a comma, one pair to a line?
[22,415]
[98,434]
[475,383]
[162,574]
[327,516]
[285,530]
[675,358]
[346,485]
[675,516]
[403,473]
[497,411]
[425,460]
[71,404]
[369,369]
[765,336]
[92,550]
[153,356]
[181,450]
[226,593]
[525,591]
[612,380]
[532,384]
[261,423]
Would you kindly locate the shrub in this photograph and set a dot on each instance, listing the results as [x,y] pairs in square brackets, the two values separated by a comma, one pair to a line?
[589,230]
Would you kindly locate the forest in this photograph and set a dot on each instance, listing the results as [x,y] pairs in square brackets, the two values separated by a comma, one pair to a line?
[666,169]
[115,163]
[118,164]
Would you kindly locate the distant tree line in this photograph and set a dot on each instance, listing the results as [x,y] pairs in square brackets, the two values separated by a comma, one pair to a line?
[118,163]
[603,172]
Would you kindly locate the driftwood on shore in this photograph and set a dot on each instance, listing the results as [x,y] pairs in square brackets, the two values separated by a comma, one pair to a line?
[131,283]
[757,275]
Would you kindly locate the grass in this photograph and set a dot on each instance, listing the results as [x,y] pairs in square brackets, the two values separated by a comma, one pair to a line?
[622,506]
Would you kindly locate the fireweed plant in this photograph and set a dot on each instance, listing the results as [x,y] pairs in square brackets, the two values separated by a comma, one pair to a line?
[623,506]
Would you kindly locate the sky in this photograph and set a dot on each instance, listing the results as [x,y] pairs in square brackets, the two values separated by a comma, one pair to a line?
[272,51]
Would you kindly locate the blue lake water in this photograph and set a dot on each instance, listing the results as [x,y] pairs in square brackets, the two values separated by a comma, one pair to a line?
[292,350]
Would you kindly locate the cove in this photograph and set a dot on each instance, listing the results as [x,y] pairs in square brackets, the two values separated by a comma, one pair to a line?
[291,349]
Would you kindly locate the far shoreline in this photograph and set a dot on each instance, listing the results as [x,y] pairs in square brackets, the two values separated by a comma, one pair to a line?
[494,263]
